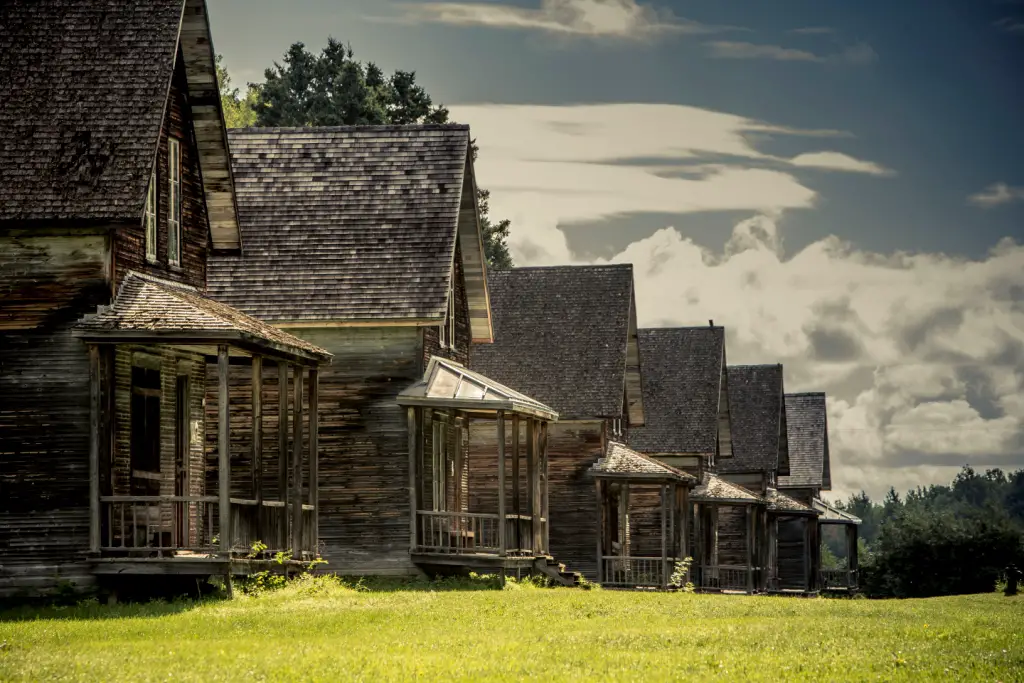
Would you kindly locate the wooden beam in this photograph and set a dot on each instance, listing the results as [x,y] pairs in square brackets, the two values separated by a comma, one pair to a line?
[601,529]
[516,509]
[257,431]
[624,520]
[314,454]
[807,553]
[297,464]
[544,507]
[750,545]
[282,447]
[95,410]
[413,417]
[502,541]
[664,536]
[532,477]
[223,451]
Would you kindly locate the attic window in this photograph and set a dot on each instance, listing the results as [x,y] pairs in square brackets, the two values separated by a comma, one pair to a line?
[174,202]
[149,220]
[448,327]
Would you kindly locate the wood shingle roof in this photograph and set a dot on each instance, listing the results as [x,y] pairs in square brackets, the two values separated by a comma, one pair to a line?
[713,488]
[807,426]
[682,377]
[83,90]
[562,335]
[758,416]
[622,461]
[351,224]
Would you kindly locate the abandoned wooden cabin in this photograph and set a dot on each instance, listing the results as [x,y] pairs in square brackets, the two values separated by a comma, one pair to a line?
[688,426]
[114,188]
[567,337]
[366,241]
[625,557]
[810,473]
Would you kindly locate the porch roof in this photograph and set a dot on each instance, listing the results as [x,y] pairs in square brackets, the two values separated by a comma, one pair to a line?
[153,310]
[621,462]
[714,489]
[780,502]
[832,515]
[447,384]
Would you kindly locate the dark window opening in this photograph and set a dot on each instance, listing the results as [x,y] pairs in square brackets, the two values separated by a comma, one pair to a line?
[145,437]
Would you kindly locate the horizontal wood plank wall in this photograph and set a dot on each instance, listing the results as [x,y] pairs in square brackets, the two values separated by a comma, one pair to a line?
[645,520]
[46,284]
[791,552]
[732,535]
[131,241]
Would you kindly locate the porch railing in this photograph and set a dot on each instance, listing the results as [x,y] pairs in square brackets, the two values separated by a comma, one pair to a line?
[143,525]
[519,534]
[457,532]
[723,577]
[636,571]
[838,579]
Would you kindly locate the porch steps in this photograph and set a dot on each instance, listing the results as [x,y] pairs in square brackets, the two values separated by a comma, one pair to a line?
[556,571]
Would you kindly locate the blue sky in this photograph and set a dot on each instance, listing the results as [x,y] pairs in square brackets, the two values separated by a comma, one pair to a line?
[840,183]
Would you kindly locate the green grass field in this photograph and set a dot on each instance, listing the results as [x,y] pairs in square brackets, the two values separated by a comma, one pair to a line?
[326,634]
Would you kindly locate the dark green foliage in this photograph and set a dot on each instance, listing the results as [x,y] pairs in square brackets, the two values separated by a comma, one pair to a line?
[941,540]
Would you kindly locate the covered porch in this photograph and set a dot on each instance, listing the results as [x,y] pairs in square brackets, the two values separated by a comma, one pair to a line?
[728,529]
[160,502]
[443,529]
[793,545]
[844,578]
[642,551]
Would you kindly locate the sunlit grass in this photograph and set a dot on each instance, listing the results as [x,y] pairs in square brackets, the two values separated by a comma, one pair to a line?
[339,633]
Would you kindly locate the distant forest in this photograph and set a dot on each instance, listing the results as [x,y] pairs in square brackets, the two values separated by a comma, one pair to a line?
[938,540]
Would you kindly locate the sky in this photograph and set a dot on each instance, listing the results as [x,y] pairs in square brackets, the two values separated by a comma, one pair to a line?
[840,184]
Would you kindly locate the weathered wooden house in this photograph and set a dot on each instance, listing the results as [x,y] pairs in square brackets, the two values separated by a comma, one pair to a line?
[810,473]
[688,426]
[115,188]
[567,336]
[366,241]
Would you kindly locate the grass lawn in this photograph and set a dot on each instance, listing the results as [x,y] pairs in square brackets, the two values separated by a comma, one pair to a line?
[333,633]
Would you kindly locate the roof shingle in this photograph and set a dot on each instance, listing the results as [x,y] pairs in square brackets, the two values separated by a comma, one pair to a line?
[561,335]
[620,460]
[682,377]
[83,84]
[344,223]
[714,488]
[758,420]
[807,426]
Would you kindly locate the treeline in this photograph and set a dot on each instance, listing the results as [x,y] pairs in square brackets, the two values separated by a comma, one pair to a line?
[939,540]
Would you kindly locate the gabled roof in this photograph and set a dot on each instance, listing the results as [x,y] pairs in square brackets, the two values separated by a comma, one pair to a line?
[83,90]
[682,371]
[150,308]
[713,488]
[832,515]
[567,336]
[620,461]
[780,502]
[759,442]
[354,224]
[807,426]
[450,384]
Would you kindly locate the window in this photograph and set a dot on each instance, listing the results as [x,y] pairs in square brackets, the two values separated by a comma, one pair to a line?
[145,435]
[173,202]
[448,328]
[149,220]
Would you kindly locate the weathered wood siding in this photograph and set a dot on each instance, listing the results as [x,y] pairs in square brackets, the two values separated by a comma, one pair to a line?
[46,284]
[130,251]
[431,339]
[732,534]
[791,553]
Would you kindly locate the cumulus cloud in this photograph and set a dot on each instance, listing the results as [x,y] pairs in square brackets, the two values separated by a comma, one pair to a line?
[620,19]
[997,194]
[922,355]
[859,54]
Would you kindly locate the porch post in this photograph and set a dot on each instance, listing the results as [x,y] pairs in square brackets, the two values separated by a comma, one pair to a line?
[413,420]
[282,450]
[546,529]
[698,543]
[314,455]
[624,519]
[94,448]
[502,541]
[683,501]
[664,535]
[297,464]
[600,530]
[533,476]
[223,451]
[516,509]
[750,555]
[257,441]
[852,560]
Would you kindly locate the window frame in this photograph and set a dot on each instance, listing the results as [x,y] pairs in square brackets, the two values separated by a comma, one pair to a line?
[149,218]
[174,202]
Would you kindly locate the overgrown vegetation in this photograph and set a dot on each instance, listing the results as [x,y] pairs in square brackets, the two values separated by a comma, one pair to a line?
[319,627]
[333,88]
[939,540]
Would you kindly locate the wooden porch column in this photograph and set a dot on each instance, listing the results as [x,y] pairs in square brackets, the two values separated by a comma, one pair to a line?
[683,515]
[533,476]
[601,529]
[807,554]
[223,451]
[296,497]
[314,455]
[413,419]
[546,534]
[664,535]
[257,438]
[516,509]
[95,410]
[698,541]
[750,554]
[624,520]
[852,560]
[502,541]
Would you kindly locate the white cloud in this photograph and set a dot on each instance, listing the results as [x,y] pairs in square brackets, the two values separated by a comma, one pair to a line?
[997,194]
[922,355]
[813,30]
[1011,25]
[727,49]
[584,18]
